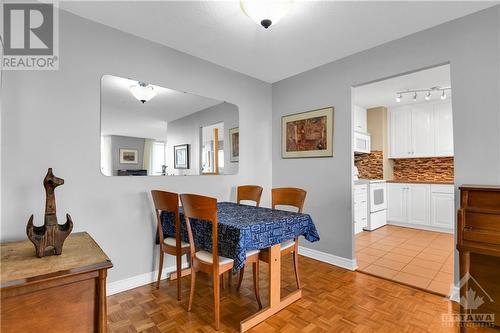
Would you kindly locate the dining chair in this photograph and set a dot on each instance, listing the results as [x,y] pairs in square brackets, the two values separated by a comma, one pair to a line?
[250,193]
[204,210]
[294,197]
[169,202]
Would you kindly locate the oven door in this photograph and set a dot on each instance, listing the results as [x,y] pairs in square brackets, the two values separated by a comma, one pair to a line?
[378,197]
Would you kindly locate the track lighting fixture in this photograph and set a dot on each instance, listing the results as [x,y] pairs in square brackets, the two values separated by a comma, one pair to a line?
[428,93]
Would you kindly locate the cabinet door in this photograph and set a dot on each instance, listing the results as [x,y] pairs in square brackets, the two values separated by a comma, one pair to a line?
[418,203]
[360,121]
[422,130]
[443,210]
[400,133]
[396,203]
[443,129]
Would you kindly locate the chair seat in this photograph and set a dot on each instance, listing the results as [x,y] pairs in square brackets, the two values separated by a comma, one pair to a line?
[252,253]
[286,244]
[208,258]
[170,241]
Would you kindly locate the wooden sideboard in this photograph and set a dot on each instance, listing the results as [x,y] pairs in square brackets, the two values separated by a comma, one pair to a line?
[56,293]
[478,242]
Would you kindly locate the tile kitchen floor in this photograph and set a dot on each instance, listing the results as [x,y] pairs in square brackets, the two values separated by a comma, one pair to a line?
[418,258]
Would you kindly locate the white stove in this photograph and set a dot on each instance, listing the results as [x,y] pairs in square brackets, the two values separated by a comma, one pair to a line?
[377,203]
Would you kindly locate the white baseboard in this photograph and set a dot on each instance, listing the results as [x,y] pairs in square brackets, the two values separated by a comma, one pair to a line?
[421,227]
[455,294]
[331,259]
[138,280]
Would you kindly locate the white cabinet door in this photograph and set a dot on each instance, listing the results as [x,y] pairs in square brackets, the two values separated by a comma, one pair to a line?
[422,130]
[400,132]
[443,210]
[443,129]
[418,203]
[397,202]
[360,120]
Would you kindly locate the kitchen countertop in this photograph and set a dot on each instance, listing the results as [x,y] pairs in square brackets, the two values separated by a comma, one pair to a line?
[437,182]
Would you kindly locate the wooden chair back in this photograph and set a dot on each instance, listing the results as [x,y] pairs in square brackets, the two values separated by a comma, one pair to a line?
[288,196]
[249,192]
[167,202]
[203,209]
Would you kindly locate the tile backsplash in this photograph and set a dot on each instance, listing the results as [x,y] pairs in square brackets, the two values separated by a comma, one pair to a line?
[370,166]
[424,169]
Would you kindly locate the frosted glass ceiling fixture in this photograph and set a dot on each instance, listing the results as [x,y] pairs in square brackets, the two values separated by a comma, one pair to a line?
[430,91]
[265,12]
[143,91]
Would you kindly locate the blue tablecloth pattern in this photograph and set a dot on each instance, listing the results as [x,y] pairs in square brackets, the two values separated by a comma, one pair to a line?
[243,228]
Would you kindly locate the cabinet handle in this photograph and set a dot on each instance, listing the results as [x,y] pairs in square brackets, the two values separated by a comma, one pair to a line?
[363,218]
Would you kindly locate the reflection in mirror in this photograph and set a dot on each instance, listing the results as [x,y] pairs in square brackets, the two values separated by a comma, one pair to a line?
[148,130]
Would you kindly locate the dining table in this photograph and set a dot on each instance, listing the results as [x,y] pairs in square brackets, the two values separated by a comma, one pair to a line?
[243,228]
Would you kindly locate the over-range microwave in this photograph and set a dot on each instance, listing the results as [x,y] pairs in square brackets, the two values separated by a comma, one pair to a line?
[362,142]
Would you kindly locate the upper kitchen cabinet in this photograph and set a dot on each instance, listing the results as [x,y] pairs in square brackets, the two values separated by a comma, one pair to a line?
[443,129]
[400,132]
[360,119]
[421,130]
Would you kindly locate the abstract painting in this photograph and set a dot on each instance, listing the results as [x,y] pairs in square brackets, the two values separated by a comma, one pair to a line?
[307,134]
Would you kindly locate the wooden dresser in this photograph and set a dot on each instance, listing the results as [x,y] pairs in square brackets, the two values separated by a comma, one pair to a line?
[478,242]
[65,293]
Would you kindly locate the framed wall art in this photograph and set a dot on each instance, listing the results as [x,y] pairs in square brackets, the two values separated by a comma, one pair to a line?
[181,156]
[128,156]
[234,144]
[307,134]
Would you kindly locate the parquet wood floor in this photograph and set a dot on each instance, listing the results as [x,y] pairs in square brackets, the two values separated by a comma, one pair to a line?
[334,300]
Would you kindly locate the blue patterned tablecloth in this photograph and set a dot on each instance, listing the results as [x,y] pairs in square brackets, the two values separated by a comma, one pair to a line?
[243,228]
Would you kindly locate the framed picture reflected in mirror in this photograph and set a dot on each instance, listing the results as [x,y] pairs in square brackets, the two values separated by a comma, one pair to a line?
[181,156]
[234,144]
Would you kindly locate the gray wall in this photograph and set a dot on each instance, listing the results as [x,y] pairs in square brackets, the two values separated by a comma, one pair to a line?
[472,47]
[187,130]
[52,119]
[126,142]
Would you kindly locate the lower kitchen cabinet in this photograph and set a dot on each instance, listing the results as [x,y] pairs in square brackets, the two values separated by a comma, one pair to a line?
[360,207]
[443,207]
[427,206]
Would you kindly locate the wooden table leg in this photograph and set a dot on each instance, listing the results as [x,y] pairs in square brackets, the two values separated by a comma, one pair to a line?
[276,303]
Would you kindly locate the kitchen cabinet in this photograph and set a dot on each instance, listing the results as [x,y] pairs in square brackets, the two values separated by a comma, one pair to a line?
[400,132]
[442,206]
[443,129]
[360,119]
[428,206]
[421,130]
[396,202]
[418,203]
[360,207]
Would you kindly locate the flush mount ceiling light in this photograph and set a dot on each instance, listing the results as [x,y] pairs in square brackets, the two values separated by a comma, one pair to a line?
[265,12]
[143,91]
[399,94]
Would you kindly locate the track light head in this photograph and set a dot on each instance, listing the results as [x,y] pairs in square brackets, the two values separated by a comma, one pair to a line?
[443,95]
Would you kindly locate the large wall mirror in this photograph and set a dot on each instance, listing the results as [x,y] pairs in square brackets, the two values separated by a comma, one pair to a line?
[148,130]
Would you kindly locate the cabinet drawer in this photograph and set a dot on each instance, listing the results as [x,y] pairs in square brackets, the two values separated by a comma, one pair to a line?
[360,199]
[449,189]
[360,211]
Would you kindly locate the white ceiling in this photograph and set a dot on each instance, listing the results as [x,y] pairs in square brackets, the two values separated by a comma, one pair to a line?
[383,93]
[122,114]
[313,33]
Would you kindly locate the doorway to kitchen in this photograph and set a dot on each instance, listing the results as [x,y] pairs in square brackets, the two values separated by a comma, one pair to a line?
[403,174]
